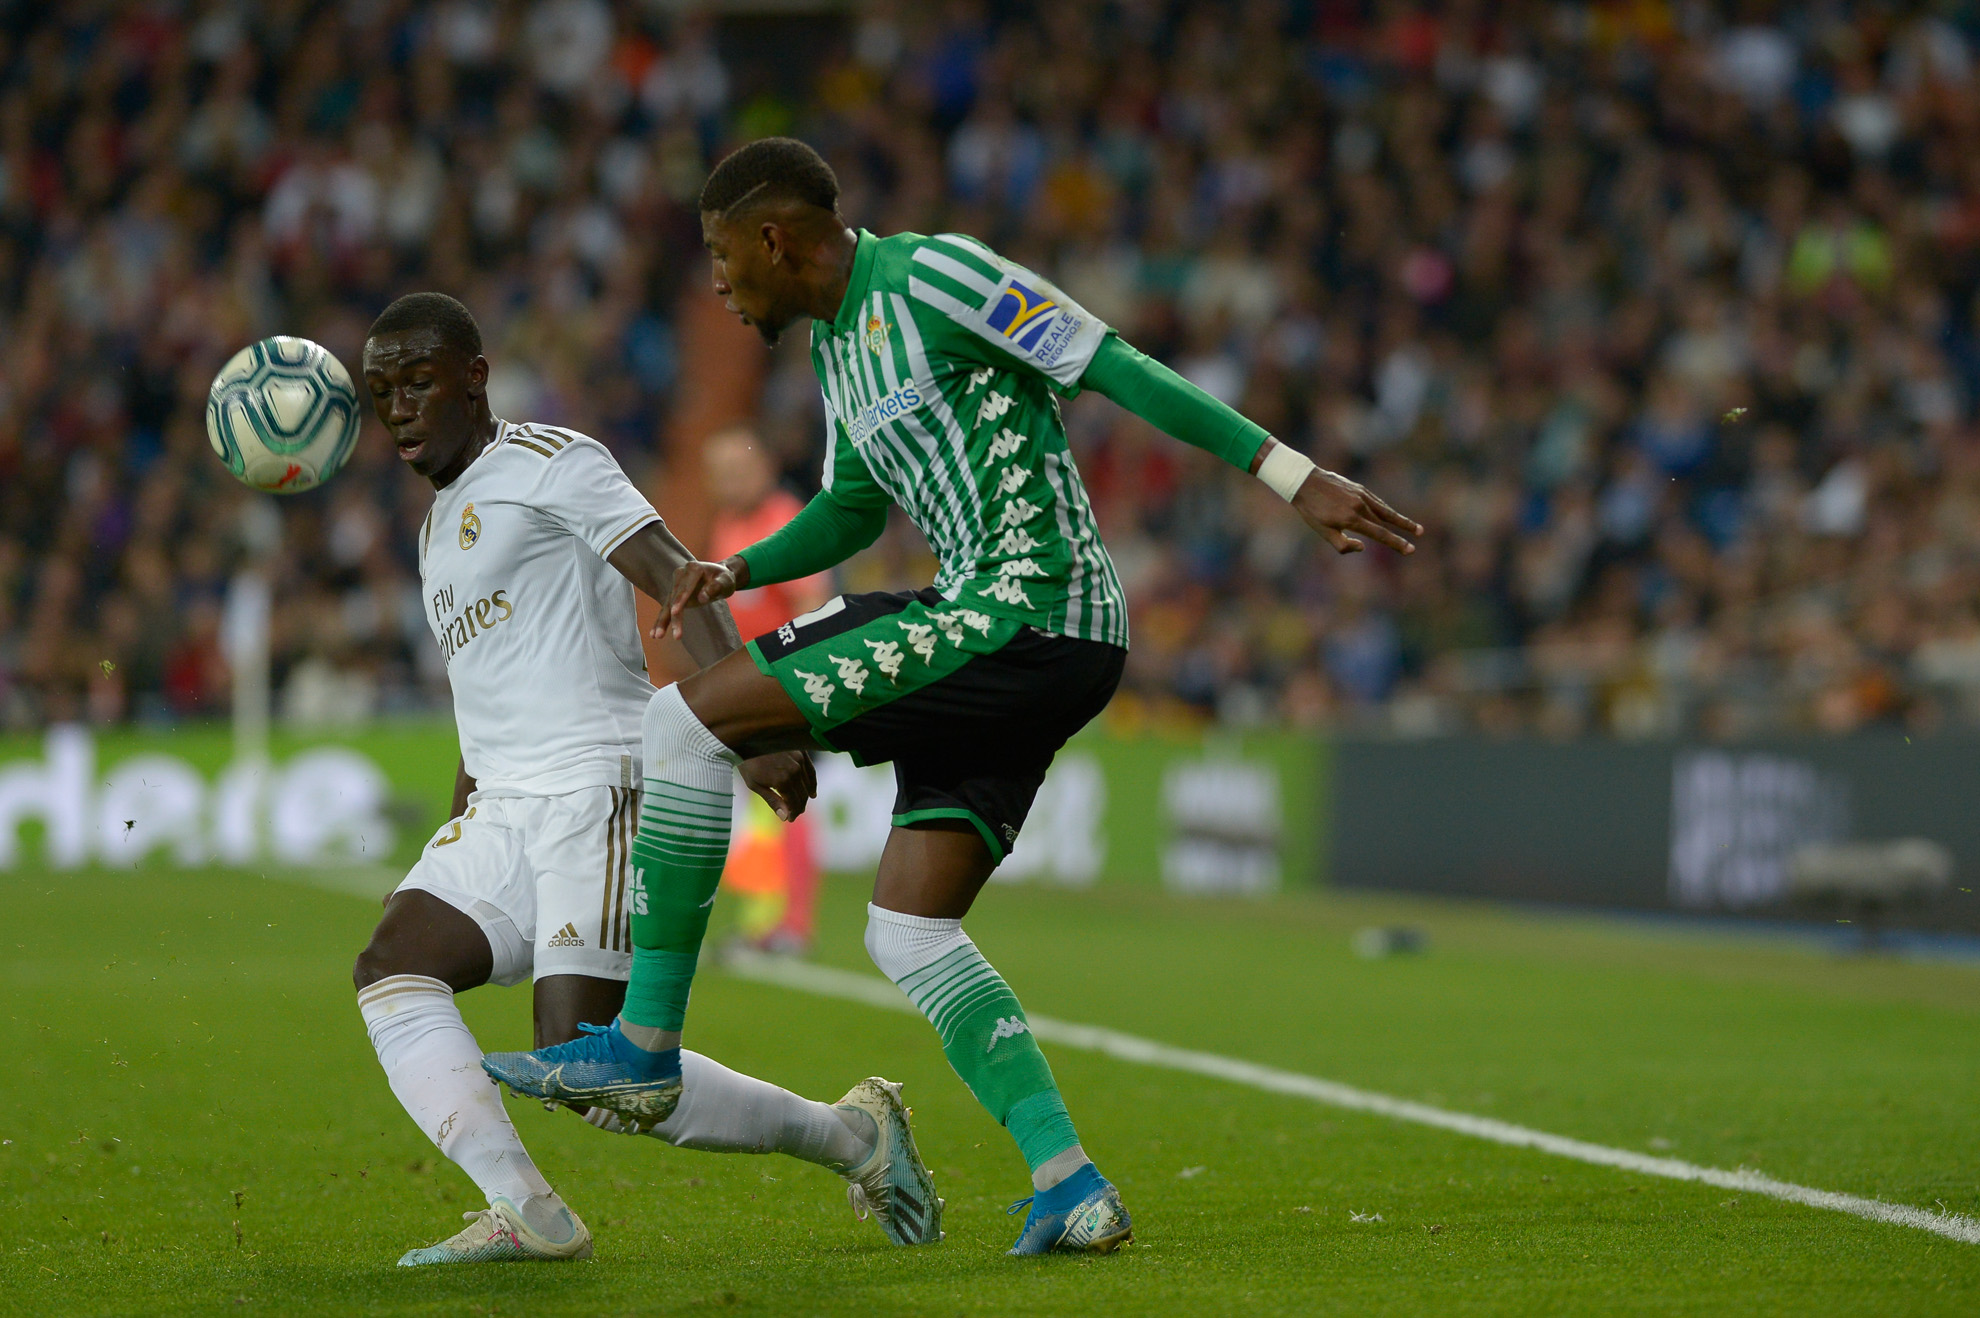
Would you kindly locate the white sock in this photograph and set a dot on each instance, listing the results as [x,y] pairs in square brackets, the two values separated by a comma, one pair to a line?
[1057,1167]
[724,1111]
[434,1066]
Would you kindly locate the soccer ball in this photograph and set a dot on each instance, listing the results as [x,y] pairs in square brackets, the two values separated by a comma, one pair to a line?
[282,414]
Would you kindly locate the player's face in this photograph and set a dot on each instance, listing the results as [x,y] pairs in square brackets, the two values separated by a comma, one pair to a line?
[425,395]
[746,279]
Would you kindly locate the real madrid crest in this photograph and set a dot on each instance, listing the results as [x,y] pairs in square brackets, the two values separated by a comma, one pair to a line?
[470,527]
[876,335]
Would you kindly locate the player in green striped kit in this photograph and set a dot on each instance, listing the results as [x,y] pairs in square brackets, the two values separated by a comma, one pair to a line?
[941,365]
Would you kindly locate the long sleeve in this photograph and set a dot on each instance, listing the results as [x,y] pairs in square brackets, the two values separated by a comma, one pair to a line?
[826,532]
[1172,404]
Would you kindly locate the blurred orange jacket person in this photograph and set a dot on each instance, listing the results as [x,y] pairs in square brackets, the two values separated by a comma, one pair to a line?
[772,866]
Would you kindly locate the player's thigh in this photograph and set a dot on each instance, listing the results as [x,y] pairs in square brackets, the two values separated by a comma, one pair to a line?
[579,852]
[745,709]
[853,667]
[970,754]
[420,934]
[475,866]
[933,869]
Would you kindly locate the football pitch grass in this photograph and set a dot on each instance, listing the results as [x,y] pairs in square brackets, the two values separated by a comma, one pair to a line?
[196,1124]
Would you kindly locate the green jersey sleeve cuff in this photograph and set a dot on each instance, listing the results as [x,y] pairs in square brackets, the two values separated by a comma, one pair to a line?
[1172,404]
[824,534]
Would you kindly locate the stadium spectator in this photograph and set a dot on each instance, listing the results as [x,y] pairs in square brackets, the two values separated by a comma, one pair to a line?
[1662,315]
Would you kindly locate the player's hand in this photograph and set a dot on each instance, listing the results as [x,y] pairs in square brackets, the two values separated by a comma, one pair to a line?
[695,584]
[785,780]
[1335,506]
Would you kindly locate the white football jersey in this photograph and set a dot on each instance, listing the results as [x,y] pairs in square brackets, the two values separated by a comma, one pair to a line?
[539,631]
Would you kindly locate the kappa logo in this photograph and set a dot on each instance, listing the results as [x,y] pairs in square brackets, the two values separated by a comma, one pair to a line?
[1016,541]
[978,378]
[1008,590]
[887,658]
[787,634]
[971,618]
[1020,567]
[951,627]
[567,937]
[470,527]
[1007,1027]
[1005,444]
[1012,479]
[851,672]
[994,406]
[819,688]
[1018,511]
[921,640]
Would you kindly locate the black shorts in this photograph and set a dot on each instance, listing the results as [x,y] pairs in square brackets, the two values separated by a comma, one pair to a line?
[970,709]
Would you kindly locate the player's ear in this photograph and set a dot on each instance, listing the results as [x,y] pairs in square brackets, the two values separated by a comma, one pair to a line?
[477,376]
[776,243]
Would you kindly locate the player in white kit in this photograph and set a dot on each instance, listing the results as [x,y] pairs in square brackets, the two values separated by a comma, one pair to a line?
[528,561]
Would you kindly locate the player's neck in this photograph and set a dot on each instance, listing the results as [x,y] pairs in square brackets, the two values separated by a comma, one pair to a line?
[835,261]
[480,435]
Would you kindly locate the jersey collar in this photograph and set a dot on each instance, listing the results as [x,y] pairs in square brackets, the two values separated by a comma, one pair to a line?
[862,272]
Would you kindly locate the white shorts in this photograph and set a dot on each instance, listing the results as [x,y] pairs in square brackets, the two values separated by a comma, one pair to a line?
[545,878]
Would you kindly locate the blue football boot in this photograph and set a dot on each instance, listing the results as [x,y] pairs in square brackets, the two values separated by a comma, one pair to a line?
[599,1068]
[1080,1215]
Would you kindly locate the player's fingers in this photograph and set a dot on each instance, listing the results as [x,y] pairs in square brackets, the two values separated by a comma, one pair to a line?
[1394,518]
[1382,535]
[1341,541]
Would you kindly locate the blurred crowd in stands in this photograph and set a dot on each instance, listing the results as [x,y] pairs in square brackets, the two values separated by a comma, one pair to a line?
[1661,317]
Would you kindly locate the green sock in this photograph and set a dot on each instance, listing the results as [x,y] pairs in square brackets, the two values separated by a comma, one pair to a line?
[988,1042]
[677,859]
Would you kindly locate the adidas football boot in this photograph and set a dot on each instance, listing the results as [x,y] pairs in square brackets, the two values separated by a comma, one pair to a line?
[499,1234]
[893,1185]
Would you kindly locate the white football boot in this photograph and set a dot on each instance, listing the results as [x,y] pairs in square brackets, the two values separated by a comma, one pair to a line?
[893,1185]
[498,1234]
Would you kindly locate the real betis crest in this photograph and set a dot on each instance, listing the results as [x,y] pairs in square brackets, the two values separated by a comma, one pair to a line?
[876,334]
[470,527]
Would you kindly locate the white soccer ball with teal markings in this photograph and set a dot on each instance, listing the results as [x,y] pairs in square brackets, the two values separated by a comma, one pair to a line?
[283,415]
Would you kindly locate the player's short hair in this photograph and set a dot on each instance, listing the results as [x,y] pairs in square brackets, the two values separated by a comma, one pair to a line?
[771,169]
[432,311]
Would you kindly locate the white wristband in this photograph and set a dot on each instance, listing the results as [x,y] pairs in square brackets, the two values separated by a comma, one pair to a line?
[1284,470]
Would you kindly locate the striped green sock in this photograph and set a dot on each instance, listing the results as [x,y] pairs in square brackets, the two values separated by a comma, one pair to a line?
[988,1042]
[677,858]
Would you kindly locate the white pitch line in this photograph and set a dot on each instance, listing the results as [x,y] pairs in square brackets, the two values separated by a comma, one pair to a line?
[834,983]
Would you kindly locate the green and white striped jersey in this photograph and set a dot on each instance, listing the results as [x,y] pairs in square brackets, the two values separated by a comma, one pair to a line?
[940,376]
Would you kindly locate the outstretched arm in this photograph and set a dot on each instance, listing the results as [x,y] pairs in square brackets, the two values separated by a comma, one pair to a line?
[1336,507]
[826,532]
[649,558]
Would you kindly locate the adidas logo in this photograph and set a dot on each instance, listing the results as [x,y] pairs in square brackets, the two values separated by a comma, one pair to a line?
[567,937]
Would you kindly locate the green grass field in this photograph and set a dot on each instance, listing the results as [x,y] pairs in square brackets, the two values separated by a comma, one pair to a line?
[198,1124]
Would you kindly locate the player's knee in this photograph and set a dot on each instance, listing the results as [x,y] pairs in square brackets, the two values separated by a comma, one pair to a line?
[365,970]
[373,964]
[902,944]
[383,957]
